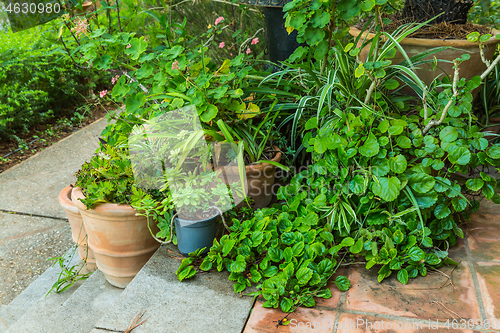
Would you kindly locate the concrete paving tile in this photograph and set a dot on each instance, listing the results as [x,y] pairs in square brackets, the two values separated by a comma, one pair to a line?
[34,185]
[264,320]
[356,323]
[207,303]
[417,298]
[13,226]
[488,275]
[484,241]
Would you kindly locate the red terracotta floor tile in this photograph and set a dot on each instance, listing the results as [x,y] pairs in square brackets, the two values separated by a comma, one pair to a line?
[335,300]
[486,216]
[263,320]
[458,252]
[484,240]
[353,323]
[488,275]
[417,299]
[488,206]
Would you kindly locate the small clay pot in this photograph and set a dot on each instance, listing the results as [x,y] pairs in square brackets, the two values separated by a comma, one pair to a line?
[120,239]
[457,47]
[78,232]
[260,179]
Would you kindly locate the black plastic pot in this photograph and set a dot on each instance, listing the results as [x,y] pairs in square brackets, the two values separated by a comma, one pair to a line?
[280,44]
[194,235]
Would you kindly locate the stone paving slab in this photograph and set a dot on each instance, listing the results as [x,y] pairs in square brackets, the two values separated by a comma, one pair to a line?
[34,185]
[87,304]
[32,295]
[206,303]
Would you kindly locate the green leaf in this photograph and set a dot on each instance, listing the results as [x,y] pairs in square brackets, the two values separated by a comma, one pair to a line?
[357,185]
[239,265]
[275,254]
[460,155]
[342,283]
[403,276]
[137,47]
[398,163]
[227,247]
[383,126]
[348,241]
[459,204]
[391,84]
[387,188]
[270,271]
[403,141]
[488,191]
[135,102]
[397,126]
[441,211]
[493,152]
[366,6]
[357,247]
[371,147]
[474,184]
[421,182]
[448,134]
[209,114]
[288,254]
[398,236]
[239,287]
[286,304]
[297,248]
[416,253]
[303,275]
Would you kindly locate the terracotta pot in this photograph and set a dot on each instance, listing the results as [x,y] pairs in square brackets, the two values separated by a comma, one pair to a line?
[413,46]
[78,232]
[495,128]
[120,239]
[260,180]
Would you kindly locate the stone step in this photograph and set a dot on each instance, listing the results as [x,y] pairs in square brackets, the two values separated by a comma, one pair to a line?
[45,306]
[10,313]
[206,303]
[87,304]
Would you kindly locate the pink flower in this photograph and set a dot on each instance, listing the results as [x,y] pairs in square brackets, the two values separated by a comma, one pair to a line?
[221,45]
[255,41]
[103,93]
[80,28]
[249,51]
[113,80]
[231,54]
[129,46]
[219,20]
[175,65]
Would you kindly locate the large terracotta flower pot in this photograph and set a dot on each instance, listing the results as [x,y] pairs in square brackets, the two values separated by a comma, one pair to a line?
[260,180]
[78,232]
[413,46]
[120,239]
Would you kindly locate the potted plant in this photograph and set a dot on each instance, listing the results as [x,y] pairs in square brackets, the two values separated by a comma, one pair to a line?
[119,238]
[439,17]
[78,232]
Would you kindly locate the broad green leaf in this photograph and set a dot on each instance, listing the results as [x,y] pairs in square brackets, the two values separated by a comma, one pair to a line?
[371,147]
[403,276]
[448,134]
[460,155]
[387,188]
[398,163]
[421,182]
[357,247]
[303,275]
[416,253]
[357,185]
[342,283]
[493,152]
[441,211]
[474,184]
[398,236]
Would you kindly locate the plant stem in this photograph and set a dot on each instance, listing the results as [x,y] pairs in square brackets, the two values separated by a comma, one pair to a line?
[449,104]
